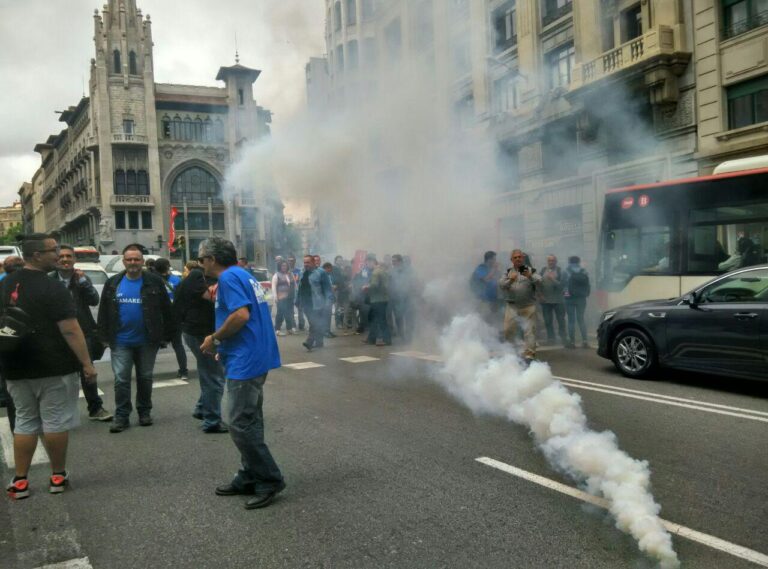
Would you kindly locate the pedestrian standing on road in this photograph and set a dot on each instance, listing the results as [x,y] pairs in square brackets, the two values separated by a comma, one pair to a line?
[296,272]
[340,279]
[284,289]
[552,300]
[85,295]
[402,291]
[314,294]
[519,286]
[578,289]
[135,318]
[484,284]
[163,268]
[245,341]
[10,265]
[377,290]
[43,370]
[359,300]
[193,307]
[328,310]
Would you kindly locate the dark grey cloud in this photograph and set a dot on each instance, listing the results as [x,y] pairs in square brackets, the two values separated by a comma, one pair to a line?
[46,46]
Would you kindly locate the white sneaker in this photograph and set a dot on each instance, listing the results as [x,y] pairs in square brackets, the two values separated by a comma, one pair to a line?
[280,333]
[292,332]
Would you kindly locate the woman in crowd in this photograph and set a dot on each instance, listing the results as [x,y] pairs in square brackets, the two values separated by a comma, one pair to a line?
[283,289]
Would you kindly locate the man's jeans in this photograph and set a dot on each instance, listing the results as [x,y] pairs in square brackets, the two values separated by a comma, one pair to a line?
[575,308]
[379,326]
[123,360]
[316,327]
[181,355]
[211,376]
[551,311]
[258,471]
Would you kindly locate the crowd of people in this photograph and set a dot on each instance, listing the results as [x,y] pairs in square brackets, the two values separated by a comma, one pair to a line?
[49,341]
[521,295]
[375,299]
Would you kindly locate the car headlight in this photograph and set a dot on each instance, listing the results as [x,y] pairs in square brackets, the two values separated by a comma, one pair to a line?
[607,316]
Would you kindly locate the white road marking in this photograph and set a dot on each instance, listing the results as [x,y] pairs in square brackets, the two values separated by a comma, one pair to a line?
[82,395]
[673,528]
[303,365]
[418,356]
[82,563]
[168,383]
[653,398]
[359,359]
[6,439]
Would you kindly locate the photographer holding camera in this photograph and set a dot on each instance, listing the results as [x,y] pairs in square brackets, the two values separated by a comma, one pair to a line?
[518,287]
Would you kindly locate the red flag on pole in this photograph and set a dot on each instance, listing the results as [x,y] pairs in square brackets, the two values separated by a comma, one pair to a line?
[172,232]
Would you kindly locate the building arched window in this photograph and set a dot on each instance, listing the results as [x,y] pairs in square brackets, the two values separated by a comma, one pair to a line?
[120,182]
[177,129]
[198,129]
[132,68]
[196,185]
[143,182]
[208,130]
[187,128]
[116,64]
[166,127]
[219,128]
[130,182]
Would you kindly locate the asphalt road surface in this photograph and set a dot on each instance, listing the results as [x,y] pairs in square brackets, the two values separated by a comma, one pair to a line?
[382,471]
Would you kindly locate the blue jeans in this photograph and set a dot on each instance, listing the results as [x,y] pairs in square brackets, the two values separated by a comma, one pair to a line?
[181,355]
[123,360]
[211,376]
[575,308]
[285,312]
[258,470]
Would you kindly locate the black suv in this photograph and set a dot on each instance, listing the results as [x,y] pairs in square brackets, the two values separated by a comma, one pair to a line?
[721,328]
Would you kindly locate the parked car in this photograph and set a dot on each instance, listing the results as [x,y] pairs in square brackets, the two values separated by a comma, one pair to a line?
[115,265]
[264,277]
[9,251]
[720,327]
[98,277]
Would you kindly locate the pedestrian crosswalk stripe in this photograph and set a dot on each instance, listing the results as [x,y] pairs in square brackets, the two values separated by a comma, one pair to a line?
[82,563]
[359,359]
[303,365]
[82,395]
[418,356]
[168,383]
[6,439]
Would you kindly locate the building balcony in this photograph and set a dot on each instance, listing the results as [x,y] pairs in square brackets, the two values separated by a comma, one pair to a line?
[246,201]
[655,54]
[125,138]
[743,26]
[554,14]
[124,200]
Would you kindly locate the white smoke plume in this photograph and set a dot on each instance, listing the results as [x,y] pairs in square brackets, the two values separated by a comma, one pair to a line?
[489,378]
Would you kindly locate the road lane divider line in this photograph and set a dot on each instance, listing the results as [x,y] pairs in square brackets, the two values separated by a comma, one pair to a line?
[418,355]
[673,528]
[6,439]
[82,395]
[359,359]
[168,383]
[659,395]
[303,365]
[82,563]
[666,402]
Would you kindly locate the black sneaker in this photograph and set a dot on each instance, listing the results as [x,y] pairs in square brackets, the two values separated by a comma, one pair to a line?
[198,416]
[220,428]
[307,345]
[183,375]
[231,490]
[145,421]
[263,499]
[119,426]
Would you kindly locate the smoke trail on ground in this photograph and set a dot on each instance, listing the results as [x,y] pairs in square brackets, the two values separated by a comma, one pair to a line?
[489,378]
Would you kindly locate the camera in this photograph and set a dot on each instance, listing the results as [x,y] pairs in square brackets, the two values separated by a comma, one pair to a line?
[522,268]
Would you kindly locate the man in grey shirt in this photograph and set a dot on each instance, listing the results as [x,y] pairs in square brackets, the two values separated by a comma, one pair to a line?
[552,300]
[519,286]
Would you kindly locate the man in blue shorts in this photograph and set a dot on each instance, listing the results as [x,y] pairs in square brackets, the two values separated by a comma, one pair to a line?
[245,341]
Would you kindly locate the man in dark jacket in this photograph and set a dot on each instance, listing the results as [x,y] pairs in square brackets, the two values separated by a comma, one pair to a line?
[85,296]
[135,317]
[195,312]
[577,292]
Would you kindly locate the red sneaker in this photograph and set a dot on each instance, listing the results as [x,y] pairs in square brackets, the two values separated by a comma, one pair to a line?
[58,483]
[18,490]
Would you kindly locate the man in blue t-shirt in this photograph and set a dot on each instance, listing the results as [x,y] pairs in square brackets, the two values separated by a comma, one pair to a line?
[134,319]
[163,268]
[245,342]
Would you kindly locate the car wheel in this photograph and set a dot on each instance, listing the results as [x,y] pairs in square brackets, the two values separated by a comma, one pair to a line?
[633,353]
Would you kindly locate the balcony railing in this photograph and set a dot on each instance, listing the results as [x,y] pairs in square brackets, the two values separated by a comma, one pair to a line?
[247,201]
[556,13]
[131,200]
[123,137]
[655,42]
[743,26]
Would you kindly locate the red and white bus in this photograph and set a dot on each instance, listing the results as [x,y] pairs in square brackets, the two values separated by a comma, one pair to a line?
[662,240]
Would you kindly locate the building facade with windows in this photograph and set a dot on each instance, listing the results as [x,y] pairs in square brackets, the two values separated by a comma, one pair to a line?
[578,96]
[10,217]
[134,149]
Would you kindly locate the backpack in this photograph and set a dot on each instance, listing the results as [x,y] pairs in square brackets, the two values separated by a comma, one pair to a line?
[578,284]
[15,324]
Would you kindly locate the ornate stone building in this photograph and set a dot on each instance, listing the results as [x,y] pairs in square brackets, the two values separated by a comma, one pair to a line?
[134,149]
[10,217]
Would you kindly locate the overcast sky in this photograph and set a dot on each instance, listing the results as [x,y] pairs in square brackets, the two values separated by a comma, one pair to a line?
[46,47]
